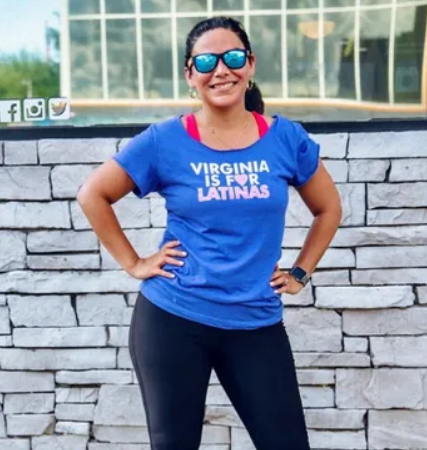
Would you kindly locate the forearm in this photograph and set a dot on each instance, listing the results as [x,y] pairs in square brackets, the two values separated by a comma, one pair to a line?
[321,233]
[106,226]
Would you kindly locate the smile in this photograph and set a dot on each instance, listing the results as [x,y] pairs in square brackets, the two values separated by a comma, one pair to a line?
[223,86]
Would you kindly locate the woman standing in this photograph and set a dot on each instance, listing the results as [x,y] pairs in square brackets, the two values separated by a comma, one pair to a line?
[210,297]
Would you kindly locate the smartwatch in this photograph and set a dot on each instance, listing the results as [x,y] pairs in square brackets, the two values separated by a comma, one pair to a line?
[299,275]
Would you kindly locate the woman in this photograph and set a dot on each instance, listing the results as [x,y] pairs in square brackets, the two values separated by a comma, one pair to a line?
[210,297]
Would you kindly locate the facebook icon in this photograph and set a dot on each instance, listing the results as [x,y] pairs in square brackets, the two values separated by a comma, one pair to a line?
[10,111]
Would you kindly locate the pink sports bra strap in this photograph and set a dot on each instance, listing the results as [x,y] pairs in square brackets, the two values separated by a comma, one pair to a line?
[262,123]
[193,129]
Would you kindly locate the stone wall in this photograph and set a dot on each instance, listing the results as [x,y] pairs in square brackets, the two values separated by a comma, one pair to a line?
[359,332]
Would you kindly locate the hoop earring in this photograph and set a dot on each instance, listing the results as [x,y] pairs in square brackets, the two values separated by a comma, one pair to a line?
[250,84]
[193,93]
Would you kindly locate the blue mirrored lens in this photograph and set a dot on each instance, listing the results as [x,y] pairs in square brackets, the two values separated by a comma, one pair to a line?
[235,59]
[205,63]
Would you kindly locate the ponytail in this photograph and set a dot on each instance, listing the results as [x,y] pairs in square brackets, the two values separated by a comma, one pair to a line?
[253,99]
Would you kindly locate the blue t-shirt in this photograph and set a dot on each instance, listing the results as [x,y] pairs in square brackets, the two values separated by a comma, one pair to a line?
[227,208]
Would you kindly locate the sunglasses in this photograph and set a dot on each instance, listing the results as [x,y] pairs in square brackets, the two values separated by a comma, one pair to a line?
[207,62]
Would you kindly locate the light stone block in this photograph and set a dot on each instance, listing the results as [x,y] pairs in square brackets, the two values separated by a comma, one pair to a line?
[62,241]
[66,180]
[20,152]
[64,262]
[397,195]
[364,297]
[65,151]
[422,294]
[97,446]
[131,212]
[390,257]
[337,169]
[310,329]
[118,336]
[414,169]
[158,213]
[13,250]
[309,360]
[217,396]
[334,419]
[28,403]
[67,282]
[6,341]
[381,388]
[56,442]
[145,241]
[241,440]
[225,416]
[315,377]
[29,424]
[403,351]
[79,359]
[35,215]
[119,405]
[354,344]
[368,170]
[15,444]
[3,433]
[43,311]
[2,300]
[411,321]
[121,434]
[317,396]
[332,145]
[214,435]
[77,428]
[12,382]
[97,310]
[397,216]
[388,276]
[123,359]
[25,183]
[75,395]
[4,320]
[91,377]
[60,337]
[397,430]
[331,278]
[340,440]
[332,258]
[303,298]
[80,412]
[391,144]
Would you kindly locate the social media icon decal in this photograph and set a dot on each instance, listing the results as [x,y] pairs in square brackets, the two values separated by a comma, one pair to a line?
[10,111]
[34,109]
[59,108]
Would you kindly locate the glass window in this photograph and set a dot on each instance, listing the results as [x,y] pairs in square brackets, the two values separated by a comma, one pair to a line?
[224,5]
[155,6]
[303,53]
[122,58]
[265,4]
[119,6]
[375,2]
[339,43]
[266,43]
[339,3]
[302,4]
[191,5]
[374,54]
[157,60]
[84,7]
[408,54]
[85,54]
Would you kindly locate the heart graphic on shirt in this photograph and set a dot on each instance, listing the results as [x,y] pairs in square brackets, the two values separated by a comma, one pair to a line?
[241,179]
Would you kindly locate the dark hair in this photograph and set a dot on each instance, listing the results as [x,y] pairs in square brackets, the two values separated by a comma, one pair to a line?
[253,96]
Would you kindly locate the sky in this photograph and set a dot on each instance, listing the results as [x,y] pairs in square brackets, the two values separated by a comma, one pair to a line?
[22,24]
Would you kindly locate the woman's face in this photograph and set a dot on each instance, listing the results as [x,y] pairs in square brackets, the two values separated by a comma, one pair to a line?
[223,87]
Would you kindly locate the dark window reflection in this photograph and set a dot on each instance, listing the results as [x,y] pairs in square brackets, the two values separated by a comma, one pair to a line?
[85,49]
[83,6]
[157,51]
[122,58]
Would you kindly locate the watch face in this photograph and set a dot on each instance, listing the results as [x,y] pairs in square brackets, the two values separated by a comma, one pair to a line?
[298,273]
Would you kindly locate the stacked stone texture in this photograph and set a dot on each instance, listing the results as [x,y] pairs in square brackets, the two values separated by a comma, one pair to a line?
[359,331]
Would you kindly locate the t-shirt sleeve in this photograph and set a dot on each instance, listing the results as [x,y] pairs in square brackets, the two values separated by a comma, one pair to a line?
[139,159]
[307,157]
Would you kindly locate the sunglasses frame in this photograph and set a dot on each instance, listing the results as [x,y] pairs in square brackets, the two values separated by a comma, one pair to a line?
[220,56]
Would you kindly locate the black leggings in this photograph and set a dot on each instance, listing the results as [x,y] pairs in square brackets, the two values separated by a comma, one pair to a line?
[173,359]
